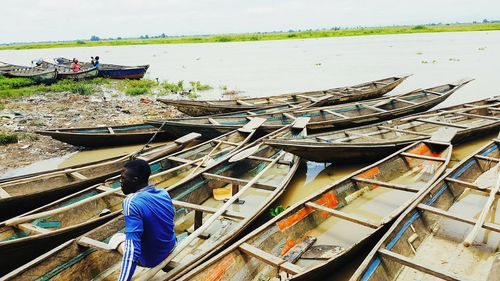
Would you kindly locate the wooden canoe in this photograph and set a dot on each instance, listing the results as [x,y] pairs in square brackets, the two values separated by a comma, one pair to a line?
[192,198]
[107,136]
[112,71]
[25,193]
[34,233]
[64,72]
[425,243]
[43,76]
[372,142]
[325,118]
[368,90]
[328,227]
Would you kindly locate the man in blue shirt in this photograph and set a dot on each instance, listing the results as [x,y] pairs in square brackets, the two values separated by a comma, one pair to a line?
[149,221]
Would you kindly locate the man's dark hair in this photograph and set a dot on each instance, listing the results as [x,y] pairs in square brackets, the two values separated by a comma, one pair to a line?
[140,169]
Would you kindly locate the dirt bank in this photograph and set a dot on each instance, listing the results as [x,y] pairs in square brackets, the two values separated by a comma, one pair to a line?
[58,110]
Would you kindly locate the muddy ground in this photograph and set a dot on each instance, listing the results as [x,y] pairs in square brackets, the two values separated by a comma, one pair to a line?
[61,110]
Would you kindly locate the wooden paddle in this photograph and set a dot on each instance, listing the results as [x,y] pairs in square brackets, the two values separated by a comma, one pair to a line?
[480,221]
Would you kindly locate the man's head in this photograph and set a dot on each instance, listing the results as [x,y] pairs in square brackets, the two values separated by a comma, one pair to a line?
[135,175]
[97,57]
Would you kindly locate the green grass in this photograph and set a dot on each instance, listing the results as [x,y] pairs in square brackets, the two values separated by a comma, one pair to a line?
[173,87]
[78,87]
[14,83]
[7,138]
[334,32]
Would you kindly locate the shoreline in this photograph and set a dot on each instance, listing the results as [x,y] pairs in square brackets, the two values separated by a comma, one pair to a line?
[261,36]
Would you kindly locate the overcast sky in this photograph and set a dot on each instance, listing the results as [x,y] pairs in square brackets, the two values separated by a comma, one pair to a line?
[42,20]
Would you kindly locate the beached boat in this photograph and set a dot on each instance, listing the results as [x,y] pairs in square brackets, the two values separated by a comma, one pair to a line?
[323,118]
[319,233]
[108,136]
[64,72]
[451,233]
[36,232]
[25,193]
[43,76]
[259,172]
[368,90]
[375,141]
[112,71]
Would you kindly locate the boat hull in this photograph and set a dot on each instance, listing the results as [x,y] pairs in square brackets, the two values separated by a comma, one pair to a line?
[125,73]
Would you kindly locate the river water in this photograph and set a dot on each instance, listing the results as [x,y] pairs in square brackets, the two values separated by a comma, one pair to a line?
[276,67]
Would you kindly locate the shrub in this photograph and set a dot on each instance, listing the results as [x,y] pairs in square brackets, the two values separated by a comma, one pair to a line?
[136,91]
[173,88]
[7,138]
[197,86]
[417,27]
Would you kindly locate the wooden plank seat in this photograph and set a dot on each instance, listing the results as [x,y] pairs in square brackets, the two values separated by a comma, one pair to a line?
[445,275]
[478,116]
[92,243]
[441,123]
[405,101]
[178,159]
[289,116]
[487,225]
[343,215]
[111,130]
[258,158]
[380,83]
[334,113]
[404,131]
[225,142]
[236,181]
[213,121]
[208,210]
[386,184]
[78,176]
[487,158]
[270,259]
[423,157]
[468,185]
[371,107]
[433,92]
[3,193]
[241,102]
[33,228]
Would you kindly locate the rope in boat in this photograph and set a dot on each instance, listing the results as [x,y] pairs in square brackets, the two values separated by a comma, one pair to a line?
[150,140]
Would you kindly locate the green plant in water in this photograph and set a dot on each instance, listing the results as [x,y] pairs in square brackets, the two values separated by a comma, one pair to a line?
[197,86]
[7,138]
[173,87]
[276,210]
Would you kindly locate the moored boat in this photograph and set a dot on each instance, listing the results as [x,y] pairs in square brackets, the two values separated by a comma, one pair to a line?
[112,71]
[372,142]
[368,90]
[319,233]
[259,172]
[43,76]
[108,135]
[323,118]
[25,193]
[451,233]
[31,234]
[64,72]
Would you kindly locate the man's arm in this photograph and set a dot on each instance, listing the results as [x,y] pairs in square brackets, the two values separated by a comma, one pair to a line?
[133,230]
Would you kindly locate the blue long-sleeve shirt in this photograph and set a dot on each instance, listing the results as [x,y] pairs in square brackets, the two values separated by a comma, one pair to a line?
[149,228]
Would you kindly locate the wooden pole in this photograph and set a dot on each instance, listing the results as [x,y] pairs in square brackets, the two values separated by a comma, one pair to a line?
[19,220]
[480,221]
[146,275]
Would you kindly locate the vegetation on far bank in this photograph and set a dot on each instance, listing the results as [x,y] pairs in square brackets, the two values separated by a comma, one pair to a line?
[19,87]
[333,32]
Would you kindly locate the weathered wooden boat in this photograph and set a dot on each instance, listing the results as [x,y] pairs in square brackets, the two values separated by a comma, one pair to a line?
[425,243]
[28,192]
[368,90]
[64,72]
[318,233]
[267,170]
[43,76]
[112,71]
[108,136]
[375,141]
[36,232]
[324,118]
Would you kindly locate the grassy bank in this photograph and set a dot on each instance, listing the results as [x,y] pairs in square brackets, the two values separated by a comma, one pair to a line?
[11,88]
[335,32]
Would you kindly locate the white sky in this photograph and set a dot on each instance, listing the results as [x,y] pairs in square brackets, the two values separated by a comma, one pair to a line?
[42,20]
